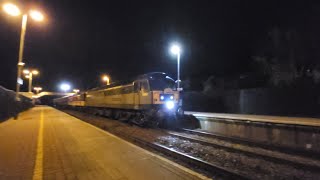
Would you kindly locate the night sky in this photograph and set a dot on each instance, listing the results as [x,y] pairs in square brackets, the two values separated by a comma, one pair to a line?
[80,40]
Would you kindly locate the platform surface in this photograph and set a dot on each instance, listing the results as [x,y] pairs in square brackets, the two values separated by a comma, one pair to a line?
[260,118]
[45,143]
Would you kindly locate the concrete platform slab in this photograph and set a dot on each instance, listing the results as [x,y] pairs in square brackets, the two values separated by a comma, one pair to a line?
[45,143]
[303,121]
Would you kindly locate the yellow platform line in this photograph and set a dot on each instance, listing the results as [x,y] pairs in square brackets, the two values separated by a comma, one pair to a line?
[38,168]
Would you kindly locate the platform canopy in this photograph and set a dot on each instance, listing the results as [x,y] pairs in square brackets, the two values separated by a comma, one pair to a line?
[44,93]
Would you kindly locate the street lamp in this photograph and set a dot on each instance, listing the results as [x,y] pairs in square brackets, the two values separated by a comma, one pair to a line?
[14,10]
[37,89]
[176,50]
[11,9]
[29,75]
[36,15]
[106,79]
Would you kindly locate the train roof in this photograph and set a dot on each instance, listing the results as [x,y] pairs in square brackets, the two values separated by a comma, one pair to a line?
[130,81]
[120,83]
[151,74]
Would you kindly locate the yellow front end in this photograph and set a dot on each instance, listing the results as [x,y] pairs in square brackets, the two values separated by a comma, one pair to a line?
[168,100]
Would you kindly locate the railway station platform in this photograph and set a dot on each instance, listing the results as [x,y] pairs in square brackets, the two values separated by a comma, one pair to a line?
[292,133]
[303,121]
[44,143]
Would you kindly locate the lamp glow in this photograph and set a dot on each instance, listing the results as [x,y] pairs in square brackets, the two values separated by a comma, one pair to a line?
[65,87]
[175,49]
[106,79]
[26,71]
[21,64]
[36,15]
[35,72]
[11,9]
[37,89]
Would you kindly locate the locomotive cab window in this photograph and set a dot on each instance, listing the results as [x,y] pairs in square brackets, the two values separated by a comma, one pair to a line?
[160,82]
[136,87]
[144,87]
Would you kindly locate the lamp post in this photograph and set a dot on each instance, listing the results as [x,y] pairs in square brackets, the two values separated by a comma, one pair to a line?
[13,10]
[29,75]
[175,49]
[106,79]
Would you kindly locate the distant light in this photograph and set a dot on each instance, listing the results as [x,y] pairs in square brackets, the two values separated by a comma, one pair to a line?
[36,15]
[11,9]
[21,64]
[162,97]
[106,78]
[65,87]
[27,76]
[35,72]
[26,71]
[37,88]
[175,49]
[76,90]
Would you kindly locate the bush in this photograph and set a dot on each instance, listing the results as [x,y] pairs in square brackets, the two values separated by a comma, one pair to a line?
[9,106]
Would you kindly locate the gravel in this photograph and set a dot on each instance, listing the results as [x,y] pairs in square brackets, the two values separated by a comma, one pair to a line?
[252,167]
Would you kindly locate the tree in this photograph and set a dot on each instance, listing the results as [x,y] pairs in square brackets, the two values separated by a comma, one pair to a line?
[282,59]
[214,87]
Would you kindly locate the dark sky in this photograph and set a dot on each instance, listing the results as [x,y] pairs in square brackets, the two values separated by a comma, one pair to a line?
[83,39]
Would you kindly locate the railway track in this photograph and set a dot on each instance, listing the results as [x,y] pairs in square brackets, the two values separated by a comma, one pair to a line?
[253,154]
[195,162]
[190,160]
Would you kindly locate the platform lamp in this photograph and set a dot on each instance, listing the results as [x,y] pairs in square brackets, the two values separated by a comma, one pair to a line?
[106,79]
[176,50]
[29,75]
[36,15]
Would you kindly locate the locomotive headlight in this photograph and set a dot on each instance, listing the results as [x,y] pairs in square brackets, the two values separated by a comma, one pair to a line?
[169,105]
[162,98]
[171,97]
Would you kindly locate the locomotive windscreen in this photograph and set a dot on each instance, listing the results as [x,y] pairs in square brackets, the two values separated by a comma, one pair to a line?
[159,82]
